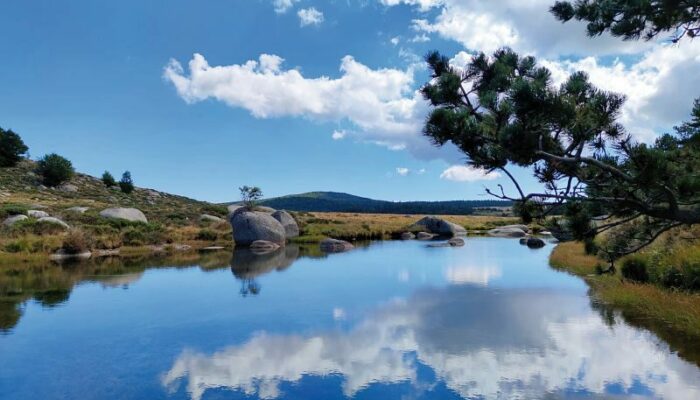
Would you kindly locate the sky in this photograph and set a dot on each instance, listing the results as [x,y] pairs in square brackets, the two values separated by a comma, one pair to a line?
[198,98]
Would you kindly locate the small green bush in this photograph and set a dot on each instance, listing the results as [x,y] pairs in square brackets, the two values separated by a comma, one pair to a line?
[12,148]
[672,278]
[636,269]
[126,184]
[10,209]
[108,179]
[55,169]
[207,234]
[142,234]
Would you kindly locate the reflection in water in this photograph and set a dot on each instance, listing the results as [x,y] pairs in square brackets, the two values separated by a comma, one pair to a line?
[477,341]
[474,274]
[246,265]
[51,284]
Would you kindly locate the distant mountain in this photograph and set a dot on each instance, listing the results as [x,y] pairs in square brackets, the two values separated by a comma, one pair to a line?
[343,202]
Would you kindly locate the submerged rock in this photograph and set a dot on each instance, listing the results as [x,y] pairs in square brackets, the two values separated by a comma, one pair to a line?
[129,214]
[425,236]
[407,236]
[62,255]
[456,242]
[249,226]
[263,246]
[535,243]
[440,226]
[507,231]
[329,245]
[291,229]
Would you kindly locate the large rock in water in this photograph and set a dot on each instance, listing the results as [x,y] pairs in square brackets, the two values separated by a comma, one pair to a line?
[291,229]
[129,214]
[249,226]
[508,231]
[534,243]
[441,227]
[329,245]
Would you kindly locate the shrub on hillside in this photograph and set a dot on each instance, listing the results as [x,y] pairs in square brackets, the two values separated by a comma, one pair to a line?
[54,169]
[9,209]
[108,179]
[12,148]
[635,268]
[143,234]
[207,234]
[76,241]
[126,184]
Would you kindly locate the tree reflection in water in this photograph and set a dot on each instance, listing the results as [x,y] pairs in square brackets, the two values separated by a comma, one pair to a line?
[247,265]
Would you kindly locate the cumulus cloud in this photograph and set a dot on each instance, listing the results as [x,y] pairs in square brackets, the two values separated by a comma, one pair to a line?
[552,346]
[466,173]
[282,6]
[310,16]
[402,171]
[381,103]
[486,26]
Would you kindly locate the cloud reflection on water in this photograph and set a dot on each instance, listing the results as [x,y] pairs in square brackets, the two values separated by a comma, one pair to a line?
[478,341]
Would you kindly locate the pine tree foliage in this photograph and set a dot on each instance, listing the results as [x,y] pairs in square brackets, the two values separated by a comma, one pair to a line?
[504,110]
[634,19]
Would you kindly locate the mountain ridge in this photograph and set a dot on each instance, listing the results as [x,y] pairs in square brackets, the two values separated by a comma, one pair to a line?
[328,201]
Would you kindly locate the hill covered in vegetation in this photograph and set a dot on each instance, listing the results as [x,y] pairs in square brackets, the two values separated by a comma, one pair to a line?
[343,202]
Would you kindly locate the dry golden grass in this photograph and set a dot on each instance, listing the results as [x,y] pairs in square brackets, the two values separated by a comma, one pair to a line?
[317,225]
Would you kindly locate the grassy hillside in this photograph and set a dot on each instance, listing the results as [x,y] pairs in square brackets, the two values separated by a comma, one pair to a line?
[343,202]
[171,218]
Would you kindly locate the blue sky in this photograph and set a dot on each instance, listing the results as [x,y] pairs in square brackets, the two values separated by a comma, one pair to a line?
[86,79]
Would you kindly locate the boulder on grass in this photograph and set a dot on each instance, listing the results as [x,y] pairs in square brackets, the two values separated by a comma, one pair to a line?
[210,218]
[53,220]
[249,226]
[79,210]
[440,227]
[329,245]
[37,213]
[128,214]
[9,221]
[291,229]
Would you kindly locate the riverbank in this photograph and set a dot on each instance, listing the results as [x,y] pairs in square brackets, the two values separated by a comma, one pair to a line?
[673,315]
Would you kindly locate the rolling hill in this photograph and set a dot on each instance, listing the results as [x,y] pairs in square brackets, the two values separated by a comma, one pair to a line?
[343,202]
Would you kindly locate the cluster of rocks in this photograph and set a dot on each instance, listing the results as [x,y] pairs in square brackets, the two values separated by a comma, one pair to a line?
[519,231]
[39,215]
[262,225]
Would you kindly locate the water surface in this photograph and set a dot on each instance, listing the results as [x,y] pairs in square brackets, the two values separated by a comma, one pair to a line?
[391,320]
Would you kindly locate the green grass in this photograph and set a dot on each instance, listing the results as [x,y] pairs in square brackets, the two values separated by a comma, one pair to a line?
[673,314]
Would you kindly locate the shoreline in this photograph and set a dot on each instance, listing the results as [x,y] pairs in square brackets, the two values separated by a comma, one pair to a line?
[674,316]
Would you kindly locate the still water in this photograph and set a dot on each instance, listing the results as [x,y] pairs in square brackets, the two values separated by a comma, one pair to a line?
[390,320]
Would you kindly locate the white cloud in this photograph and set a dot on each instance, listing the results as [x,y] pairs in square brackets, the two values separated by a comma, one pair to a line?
[465,173]
[395,40]
[282,6]
[402,171]
[423,5]
[339,134]
[421,38]
[486,26]
[421,171]
[381,103]
[310,16]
